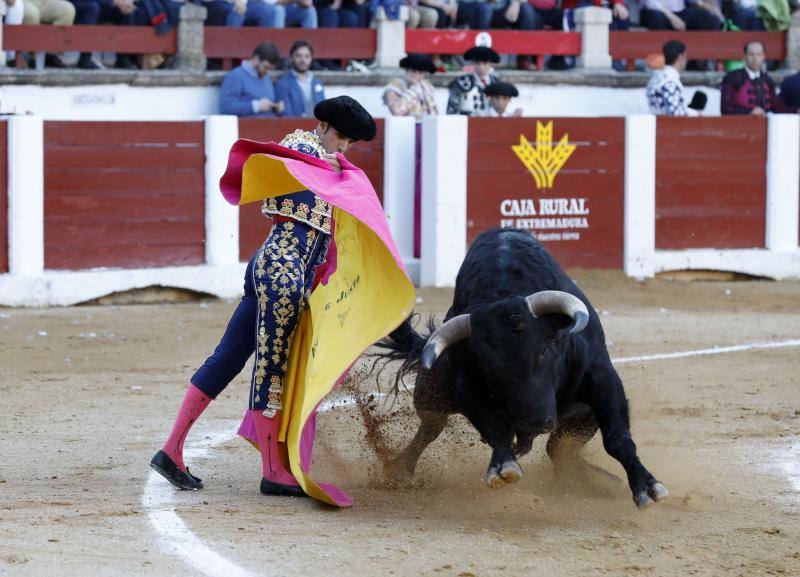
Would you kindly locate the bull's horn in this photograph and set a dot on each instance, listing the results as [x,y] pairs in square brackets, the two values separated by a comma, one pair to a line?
[452,331]
[547,302]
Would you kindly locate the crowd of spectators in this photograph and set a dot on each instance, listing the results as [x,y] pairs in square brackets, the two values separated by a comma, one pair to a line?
[473,14]
[746,90]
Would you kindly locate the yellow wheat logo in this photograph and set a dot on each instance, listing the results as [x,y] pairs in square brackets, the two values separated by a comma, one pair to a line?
[544,160]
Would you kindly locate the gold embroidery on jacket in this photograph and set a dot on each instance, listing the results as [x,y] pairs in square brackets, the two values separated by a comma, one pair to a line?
[320,215]
[284,278]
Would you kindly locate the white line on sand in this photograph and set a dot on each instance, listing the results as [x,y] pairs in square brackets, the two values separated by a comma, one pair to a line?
[178,540]
[711,351]
[176,537]
[789,464]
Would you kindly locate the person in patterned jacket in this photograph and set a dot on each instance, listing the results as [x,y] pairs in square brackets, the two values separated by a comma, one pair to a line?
[468,92]
[277,278]
[665,90]
[749,90]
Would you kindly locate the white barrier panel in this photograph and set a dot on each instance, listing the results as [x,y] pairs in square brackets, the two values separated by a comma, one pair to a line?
[399,172]
[783,182]
[640,196]
[444,199]
[222,218]
[25,196]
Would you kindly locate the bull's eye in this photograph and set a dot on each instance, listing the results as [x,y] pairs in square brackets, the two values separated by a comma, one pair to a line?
[518,323]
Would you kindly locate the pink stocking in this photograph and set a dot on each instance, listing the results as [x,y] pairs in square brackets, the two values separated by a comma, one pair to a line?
[273,467]
[194,403]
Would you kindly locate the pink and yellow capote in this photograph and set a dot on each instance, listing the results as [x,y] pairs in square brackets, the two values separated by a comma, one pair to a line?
[364,292]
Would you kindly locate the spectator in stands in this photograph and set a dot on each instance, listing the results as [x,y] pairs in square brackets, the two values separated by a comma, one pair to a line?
[500,95]
[413,95]
[518,15]
[420,16]
[515,14]
[744,14]
[342,13]
[475,14]
[299,90]
[15,12]
[665,90]
[467,92]
[89,12]
[619,13]
[55,12]
[678,15]
[248,90]
[790,92]
[297,13]
[748,90]
[262,13]
[237,13]
[446,11]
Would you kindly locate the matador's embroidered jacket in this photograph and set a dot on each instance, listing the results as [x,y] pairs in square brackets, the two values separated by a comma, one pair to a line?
[283,269]
[302,206]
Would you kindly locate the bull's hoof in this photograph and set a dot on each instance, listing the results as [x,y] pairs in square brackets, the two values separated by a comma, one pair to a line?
[493,479]
[508,472]
[649,496]
[511,472]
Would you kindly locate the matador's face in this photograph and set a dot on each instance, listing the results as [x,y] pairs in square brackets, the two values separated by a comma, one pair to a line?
[332,140]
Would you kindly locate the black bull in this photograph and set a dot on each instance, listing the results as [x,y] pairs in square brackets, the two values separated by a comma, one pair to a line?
[521,353]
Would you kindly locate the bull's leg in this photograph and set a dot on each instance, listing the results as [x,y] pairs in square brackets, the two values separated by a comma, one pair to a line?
[576,427]
[602,390]
[431,425]
[503,466]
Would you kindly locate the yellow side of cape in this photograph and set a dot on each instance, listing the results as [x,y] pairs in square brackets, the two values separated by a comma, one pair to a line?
[364,299]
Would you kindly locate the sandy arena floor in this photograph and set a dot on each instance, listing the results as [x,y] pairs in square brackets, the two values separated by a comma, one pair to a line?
[89,393]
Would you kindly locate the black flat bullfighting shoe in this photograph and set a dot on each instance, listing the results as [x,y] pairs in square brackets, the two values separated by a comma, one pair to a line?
[166,467]
[270,488]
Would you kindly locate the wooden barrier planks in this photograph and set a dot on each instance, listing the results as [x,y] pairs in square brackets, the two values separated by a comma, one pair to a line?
[358,43]
[124,194]
[78,38]
[3,196]
[580,218]
[711,182]
[253,226]
[440,41]
[700,44]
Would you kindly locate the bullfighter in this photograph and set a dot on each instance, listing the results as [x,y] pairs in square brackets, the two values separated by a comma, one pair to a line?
[280,275]
[467,92]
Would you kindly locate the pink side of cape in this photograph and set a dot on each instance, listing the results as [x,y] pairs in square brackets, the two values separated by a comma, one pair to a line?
[349,190]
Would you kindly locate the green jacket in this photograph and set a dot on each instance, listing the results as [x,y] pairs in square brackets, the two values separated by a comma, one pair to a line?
[775,14]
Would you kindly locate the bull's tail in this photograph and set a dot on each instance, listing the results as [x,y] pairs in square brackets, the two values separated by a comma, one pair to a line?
[403,344]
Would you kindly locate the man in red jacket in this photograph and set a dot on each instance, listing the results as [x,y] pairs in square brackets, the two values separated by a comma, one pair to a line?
[749,90]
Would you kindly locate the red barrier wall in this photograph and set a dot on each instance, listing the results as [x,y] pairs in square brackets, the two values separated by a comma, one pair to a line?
[3,196]
[579,216]
[124,194]
[711,182]
[253,226]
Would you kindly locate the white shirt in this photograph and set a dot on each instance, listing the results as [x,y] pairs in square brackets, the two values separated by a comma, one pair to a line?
[665,93]
[751,74]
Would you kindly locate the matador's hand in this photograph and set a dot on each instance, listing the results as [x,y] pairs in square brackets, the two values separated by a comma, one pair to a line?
[333,161]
